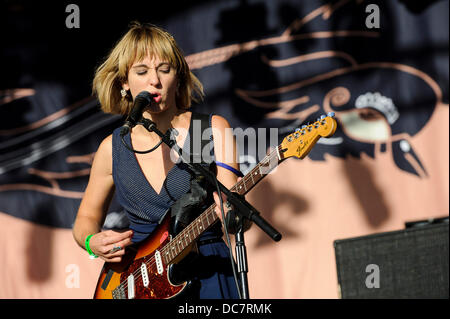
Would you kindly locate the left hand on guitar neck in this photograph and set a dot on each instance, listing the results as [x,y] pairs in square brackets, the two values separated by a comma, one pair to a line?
[224,199]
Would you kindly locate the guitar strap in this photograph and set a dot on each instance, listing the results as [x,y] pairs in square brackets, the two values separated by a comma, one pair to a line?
[190,205]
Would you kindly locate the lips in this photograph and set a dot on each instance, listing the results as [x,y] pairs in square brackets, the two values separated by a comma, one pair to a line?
[157,97]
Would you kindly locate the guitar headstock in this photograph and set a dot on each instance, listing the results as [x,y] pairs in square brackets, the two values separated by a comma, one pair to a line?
[300,143]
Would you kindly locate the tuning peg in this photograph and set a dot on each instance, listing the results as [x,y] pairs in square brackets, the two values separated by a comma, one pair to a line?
[304,126]
[330,114]
[297,129]
[323,116]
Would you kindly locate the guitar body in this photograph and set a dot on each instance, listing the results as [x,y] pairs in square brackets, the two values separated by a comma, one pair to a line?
[115,278]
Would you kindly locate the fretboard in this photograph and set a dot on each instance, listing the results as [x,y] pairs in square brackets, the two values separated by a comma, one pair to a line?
[193,231]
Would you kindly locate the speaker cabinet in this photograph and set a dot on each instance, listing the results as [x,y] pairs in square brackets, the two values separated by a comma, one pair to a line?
[410,263]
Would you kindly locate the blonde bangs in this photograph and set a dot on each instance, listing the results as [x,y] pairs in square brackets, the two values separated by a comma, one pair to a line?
[144,43]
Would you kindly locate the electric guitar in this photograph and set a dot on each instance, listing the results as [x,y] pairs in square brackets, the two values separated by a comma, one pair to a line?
[143,272]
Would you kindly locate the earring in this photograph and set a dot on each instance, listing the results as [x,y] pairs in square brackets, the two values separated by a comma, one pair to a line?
[123,92]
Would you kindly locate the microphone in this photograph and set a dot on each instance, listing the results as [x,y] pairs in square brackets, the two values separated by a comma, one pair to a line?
[140,102]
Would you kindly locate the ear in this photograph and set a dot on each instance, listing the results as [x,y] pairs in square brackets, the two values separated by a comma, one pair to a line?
[125,86]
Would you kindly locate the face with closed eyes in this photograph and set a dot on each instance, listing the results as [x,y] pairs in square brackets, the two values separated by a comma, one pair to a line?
[157,77]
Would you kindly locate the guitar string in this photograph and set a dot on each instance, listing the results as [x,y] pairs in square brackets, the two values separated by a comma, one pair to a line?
[137,273]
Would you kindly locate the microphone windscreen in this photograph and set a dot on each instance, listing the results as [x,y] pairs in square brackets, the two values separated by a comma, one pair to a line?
[144,95]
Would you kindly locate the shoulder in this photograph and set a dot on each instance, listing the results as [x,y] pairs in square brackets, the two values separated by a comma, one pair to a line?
[106,145]
[110,142]
[221,129]
[103,156]
[219,122]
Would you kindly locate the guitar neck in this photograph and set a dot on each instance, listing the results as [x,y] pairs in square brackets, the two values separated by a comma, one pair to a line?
[193,231]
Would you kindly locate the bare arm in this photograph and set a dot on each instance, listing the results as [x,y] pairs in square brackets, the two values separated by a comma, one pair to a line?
[94,205]
[225,151]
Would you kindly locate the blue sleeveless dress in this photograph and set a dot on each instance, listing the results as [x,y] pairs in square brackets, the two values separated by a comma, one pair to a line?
[145,209]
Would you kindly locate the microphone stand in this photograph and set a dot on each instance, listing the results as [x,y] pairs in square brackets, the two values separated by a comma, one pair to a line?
[242,208]
[241,257]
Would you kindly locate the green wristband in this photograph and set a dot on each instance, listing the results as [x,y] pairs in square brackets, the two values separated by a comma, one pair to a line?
[86,244]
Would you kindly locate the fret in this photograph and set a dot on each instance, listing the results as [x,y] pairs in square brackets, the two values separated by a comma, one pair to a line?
[264,165]
[169,251]
[260,169]
[167,254]
[208,217]
[180,245]
[213,216]
[257,175]
[192,233]
[201,227]
[166,257]
[251,175]
[175,247]
[198,231]
[239,190]
[207,220]
[186,237]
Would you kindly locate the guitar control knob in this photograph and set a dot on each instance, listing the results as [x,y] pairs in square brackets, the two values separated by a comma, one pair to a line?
[330,114]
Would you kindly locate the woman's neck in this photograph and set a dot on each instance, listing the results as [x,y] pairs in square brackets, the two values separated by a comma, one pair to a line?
[163,120]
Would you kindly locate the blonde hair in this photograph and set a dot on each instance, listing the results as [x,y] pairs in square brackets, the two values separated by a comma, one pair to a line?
[142,40]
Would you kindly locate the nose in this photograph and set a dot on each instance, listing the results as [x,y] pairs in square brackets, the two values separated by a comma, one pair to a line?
[153,78]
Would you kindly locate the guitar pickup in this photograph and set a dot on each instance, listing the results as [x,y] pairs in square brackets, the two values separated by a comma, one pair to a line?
[144,274]
[159,263]
[131,292]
